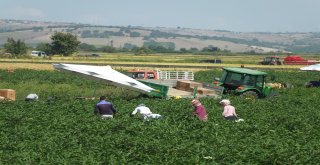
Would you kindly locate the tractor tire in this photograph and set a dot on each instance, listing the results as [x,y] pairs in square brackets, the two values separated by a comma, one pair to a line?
[249,95]
[273,94]
[287,85]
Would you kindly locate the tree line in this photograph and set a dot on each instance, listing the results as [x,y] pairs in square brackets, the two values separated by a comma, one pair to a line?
[67,43]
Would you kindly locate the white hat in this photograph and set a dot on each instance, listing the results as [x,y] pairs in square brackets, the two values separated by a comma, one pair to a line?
[225,102]
[141,105]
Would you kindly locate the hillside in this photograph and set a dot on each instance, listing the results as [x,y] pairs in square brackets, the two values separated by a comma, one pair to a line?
[34,32]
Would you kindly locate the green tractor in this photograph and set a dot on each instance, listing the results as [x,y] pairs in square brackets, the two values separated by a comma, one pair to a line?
[244,82]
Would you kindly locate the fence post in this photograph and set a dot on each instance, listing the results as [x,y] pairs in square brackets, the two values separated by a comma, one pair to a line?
[195,92]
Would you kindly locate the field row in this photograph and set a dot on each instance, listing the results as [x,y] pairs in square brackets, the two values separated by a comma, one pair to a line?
[47,65]
[280,130]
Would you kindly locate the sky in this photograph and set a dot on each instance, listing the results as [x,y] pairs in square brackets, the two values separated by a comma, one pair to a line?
[232,15]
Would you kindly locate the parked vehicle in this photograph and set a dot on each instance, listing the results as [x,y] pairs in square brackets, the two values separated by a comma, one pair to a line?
[272,60]
[244,82]
[289,60]
[88,55]
[215,61]
[38,53]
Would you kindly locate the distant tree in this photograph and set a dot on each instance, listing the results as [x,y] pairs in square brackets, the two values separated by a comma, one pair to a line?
[124,29]
[108,49]
[37,29]
[183,50]
[141,50]
[86,34]
[96,32]
[194,49]
[45,47]
[87,47]
[127,31]
[129,46]
[64,43]
[251,52]
[160,47]
[210,48]
[124,50]
[15,47]
[135,34]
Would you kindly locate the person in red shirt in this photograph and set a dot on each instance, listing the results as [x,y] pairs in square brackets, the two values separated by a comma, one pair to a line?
[199,110]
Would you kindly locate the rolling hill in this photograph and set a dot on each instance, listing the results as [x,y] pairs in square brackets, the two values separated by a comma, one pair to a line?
[35,32]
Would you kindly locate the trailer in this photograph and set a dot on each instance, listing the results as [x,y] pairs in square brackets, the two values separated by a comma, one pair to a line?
[298,60]
[160,75]
[177,83]
[289,60]
[161,88]
[184,89]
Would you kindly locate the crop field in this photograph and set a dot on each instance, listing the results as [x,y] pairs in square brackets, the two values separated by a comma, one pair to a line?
[130,61]
[63,130]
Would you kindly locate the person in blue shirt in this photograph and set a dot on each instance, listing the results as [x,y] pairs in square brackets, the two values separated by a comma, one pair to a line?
[104,108]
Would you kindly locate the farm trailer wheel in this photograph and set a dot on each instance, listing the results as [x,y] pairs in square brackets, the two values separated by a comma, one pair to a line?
[249,95]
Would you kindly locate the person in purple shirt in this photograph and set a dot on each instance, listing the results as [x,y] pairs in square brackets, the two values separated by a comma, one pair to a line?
[199,110]
[104,108]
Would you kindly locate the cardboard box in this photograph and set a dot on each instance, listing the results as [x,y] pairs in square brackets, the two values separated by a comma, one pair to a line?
[9,94]
[187,85]
[204,91]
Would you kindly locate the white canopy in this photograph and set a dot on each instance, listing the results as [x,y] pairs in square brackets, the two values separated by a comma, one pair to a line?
[106,74]
[315,67]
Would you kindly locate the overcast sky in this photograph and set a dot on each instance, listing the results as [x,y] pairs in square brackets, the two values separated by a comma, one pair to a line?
[233,15]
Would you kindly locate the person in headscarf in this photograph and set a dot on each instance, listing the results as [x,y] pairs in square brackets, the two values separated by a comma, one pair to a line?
[199,110]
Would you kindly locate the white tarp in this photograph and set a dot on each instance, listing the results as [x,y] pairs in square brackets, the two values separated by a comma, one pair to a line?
[315,67]
[106,74]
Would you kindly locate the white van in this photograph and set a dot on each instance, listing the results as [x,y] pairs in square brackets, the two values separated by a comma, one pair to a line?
[38,53]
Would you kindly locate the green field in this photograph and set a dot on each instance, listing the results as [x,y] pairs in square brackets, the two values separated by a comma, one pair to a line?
[280,130]
[154,61]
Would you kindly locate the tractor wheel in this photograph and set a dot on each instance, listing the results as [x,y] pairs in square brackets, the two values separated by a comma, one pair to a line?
[287,85]
[273,94]
[252,95]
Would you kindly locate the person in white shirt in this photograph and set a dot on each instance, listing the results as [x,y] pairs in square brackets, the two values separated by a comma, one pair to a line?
[145,113]
[32,97]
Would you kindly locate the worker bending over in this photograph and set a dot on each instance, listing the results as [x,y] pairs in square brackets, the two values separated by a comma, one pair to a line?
[145,113]
[199,110]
